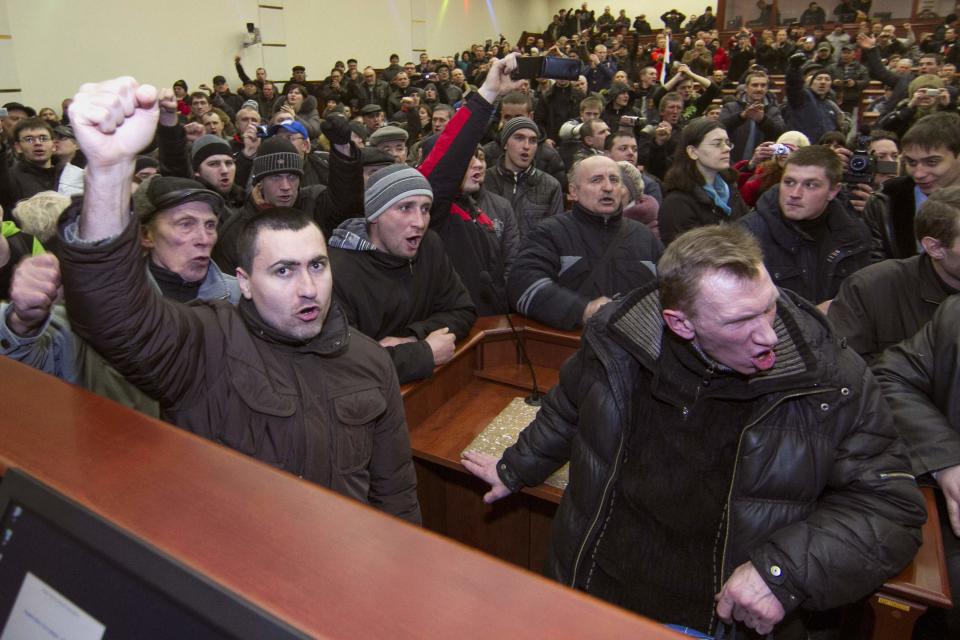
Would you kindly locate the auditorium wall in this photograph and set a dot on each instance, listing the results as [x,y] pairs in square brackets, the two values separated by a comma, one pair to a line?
[634,8]
[55,45]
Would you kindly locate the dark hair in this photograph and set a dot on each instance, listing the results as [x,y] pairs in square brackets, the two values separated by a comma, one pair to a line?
[832,137]
[31,123]
[939,216]
[881,134]
[274,219]
[590,128]
[683,174]
[199,94]
[291,86]
[936,57]
[818,156]
[518,97]
[617,133]
[935,131]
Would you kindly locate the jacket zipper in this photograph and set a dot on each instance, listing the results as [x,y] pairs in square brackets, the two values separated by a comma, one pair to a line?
[733,478]
[606,488]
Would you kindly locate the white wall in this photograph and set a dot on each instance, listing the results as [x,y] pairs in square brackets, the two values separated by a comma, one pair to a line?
[57,44]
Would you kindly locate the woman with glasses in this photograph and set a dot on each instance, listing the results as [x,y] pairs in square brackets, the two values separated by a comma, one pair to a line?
[700,188]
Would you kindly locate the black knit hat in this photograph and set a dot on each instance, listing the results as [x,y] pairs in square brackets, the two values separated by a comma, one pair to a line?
[276,155]
[206,146]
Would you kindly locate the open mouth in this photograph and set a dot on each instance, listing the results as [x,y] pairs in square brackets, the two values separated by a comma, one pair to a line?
[413,243]
[309,314]
[608,201]
[764,360]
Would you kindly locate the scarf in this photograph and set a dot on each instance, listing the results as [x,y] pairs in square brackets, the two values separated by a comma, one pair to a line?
[720,192]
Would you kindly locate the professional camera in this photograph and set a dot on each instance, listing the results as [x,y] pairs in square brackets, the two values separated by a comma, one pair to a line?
[863,167]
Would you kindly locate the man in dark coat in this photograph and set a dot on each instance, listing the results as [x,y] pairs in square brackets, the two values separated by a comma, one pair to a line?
[394,278]
[891,300]
[570,265]
[810,241]
[280,377]
[719,388]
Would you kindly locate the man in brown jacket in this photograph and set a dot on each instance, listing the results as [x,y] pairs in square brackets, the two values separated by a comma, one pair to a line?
[280,377]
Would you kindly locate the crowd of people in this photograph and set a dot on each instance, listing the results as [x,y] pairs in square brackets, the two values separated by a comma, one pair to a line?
[266,267]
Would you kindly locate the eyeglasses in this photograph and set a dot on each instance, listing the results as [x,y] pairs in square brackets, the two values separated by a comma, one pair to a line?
[720,144]
[32,139]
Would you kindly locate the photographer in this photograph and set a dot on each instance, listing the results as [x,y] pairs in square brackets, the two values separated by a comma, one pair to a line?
[881,153]
[927,95]
[766,166]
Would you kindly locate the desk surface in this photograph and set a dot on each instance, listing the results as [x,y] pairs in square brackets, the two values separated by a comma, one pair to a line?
[325,564]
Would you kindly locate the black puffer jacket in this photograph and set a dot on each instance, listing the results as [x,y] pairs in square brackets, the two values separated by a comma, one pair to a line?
[798,262]
[683,210]
[919,378]
[821,502]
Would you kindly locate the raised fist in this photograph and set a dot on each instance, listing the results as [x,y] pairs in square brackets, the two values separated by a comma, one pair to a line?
[114,120]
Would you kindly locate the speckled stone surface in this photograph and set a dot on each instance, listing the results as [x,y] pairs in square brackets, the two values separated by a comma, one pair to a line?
[503,431]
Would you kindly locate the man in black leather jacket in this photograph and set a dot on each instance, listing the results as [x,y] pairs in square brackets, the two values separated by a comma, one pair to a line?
[721,440]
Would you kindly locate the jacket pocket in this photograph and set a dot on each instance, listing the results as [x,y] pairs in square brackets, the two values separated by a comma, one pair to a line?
[357,415]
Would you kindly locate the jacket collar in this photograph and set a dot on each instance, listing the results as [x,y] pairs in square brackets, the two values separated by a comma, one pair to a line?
[352,236]
[332,339]
[637,326]
[582,215]
[216,284]
[842,226]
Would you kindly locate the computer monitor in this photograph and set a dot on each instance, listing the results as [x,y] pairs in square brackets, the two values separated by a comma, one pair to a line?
[67,572]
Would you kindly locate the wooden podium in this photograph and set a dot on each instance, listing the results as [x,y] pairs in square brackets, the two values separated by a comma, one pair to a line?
[446,412]
[326,565]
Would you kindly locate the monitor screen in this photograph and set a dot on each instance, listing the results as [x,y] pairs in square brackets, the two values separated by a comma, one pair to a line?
[66,572]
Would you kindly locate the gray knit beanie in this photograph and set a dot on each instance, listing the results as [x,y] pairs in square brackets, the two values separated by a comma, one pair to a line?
[276,155]
[390,185]
[512,125]
[206,146]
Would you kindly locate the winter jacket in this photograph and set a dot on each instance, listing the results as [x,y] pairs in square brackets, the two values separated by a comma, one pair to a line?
[25,179]
[919,377]
[806,112]
[56,350]
[501,212]
[468,234]
[821,499]
[889,215]
[682,211]
[534,194]
[862,311]
[798,262]
[386,295]
[546,159]
[550,281]
[738,128]
[328,409]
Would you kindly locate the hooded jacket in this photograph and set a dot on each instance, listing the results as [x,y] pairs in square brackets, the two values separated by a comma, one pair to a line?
[327,409]
[386,295]
[797,261]
[821,499]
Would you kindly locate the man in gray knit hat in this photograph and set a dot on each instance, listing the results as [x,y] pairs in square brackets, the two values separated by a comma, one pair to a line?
[533,193]
[394,279]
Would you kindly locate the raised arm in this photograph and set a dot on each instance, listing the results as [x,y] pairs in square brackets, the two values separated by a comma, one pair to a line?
[156,344]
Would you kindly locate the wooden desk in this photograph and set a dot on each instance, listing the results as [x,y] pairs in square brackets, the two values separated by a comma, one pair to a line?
[446,412]
[327,565]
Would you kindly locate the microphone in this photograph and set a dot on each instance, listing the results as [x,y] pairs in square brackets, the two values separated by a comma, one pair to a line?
[491,296]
